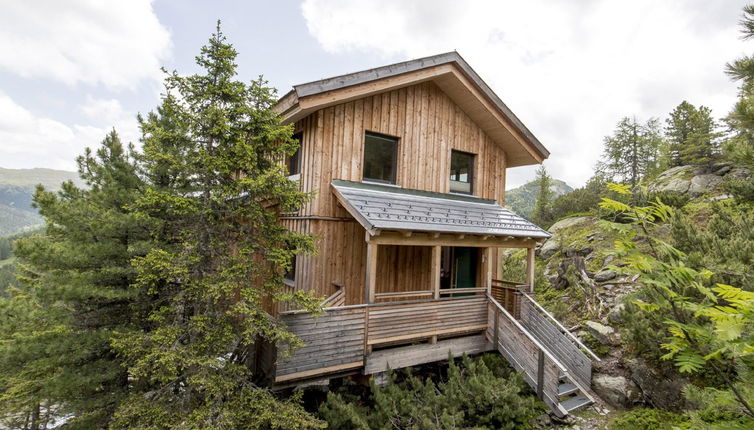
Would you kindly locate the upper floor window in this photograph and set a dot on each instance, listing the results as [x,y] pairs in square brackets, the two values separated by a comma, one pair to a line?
[380,158]
[294,161]
[290,275]
[461,172]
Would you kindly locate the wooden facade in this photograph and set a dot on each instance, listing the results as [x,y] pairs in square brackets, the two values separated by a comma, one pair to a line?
[428,125]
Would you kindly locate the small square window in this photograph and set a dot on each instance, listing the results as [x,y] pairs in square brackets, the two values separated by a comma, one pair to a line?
[461,172]
[380,158]
[294,161]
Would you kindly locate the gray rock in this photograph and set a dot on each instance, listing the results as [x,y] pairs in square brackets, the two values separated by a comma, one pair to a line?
[678,185]
[569,222]
[672,172]
[603,333]
[616,391]
[549,248]
[739,173]
[658,389]
[704,183]
[605,275]
[614,316]
[722,170]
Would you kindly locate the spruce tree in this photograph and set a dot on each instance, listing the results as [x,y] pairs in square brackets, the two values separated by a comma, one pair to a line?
[632,152]
[692,135]
[540,215]
[216,189]
[55,329]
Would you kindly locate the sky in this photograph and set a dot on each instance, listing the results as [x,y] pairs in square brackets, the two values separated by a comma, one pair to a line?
[570,70]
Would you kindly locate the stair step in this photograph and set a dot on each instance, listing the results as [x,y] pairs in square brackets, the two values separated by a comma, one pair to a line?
[574,403]
[565,389]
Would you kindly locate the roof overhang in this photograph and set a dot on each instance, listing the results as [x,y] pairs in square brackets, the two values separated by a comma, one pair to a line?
[381,208]
[450,73]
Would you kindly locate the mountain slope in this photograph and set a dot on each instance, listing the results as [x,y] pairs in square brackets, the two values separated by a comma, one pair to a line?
[521,200]
[16,191]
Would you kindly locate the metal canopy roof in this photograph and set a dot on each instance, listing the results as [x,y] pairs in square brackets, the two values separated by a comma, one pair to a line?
[382,207]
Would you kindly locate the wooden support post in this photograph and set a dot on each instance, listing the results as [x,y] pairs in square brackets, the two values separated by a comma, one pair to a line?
[496,325]
[489,262]
[435,267]
[371,272]
[541,374]
[433,339]
[530,268]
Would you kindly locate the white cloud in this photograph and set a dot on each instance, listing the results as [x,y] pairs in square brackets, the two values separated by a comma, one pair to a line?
[25,138]
[113,43]
[570,70]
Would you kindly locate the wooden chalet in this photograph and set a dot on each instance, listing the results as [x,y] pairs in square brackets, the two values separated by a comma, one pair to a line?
[408,165]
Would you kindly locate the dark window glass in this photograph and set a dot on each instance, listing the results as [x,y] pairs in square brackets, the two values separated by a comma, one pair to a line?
[291,273]
[294,161]
[461,172]
[380,154]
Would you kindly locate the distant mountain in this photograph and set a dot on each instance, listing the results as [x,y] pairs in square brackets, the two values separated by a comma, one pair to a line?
[16,191]
[521,200]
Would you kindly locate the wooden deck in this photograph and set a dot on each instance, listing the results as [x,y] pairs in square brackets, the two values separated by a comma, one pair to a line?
[368,339]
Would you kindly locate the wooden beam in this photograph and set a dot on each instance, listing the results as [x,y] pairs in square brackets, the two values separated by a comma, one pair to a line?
[406,233]
[447,239]
[370,282]
[435,267]
[530,268]
[489,263]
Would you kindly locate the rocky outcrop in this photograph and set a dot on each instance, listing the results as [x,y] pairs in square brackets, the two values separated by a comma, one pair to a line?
[617,391]
[657,388]
[604,334]
[697,180]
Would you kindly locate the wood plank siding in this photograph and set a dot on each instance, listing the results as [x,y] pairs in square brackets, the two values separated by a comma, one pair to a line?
[428,125]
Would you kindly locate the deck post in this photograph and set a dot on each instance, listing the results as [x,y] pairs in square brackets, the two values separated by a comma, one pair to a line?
[435,267]
[371,273]
[489,264]
[540,374]
[530,268]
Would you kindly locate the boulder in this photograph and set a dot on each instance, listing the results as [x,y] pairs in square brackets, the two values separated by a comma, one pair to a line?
[603,333]
[658,389]
[701,184]
[616,391]
[569,222]
[721,171]
[549,248]
[614,316]
[739,173]
[678,185]
[605,275]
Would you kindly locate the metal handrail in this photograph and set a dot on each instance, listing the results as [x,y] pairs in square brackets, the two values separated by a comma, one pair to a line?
[561,327]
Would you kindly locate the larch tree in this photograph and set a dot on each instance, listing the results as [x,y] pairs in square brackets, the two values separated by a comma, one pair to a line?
[544,197]
[692,135]
[211,154]
[56,359]
[632,152]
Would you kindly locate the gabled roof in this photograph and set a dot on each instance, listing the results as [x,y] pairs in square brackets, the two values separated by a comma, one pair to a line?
[381,207]
[451,73]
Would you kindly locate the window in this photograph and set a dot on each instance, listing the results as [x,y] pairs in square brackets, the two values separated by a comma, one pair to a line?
[380,158]
[290,275]
[461,172]
[294,161]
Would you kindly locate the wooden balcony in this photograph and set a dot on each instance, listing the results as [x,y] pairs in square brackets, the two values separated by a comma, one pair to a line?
[370,338]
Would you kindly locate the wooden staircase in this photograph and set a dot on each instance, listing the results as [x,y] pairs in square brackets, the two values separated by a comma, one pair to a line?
[553,361]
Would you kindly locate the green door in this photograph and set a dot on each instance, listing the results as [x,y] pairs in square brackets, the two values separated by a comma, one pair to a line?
[465,263]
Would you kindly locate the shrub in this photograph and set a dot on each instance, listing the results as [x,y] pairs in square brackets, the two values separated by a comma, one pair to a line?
[648,419]
[474,394]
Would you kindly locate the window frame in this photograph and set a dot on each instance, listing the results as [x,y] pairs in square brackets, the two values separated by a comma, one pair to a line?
[471,174]
[294,176]
[397,141]
[292,280]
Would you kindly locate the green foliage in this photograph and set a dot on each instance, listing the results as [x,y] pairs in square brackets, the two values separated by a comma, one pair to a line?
[544,197]
[475,394]
[55,327]
[632,152]
[217,256]
[692,136]
[706,329]
[648,419]
[715,408]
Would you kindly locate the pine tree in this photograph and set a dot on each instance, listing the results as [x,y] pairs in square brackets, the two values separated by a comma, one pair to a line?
[55,328]
[632,153]
[693,136]
[216,189]
[540,215]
